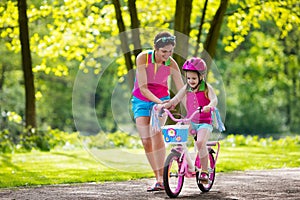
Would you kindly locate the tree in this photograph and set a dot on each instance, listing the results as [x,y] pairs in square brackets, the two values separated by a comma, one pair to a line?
[182,29]
[212,37]
[200,28]
[135,33]
[30,114]
[124,40]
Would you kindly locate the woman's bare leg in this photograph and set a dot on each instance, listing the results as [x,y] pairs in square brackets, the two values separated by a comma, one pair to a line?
[153,146]
[159,152]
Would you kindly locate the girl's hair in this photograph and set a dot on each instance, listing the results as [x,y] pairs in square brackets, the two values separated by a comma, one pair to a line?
[163,39]
[206,89]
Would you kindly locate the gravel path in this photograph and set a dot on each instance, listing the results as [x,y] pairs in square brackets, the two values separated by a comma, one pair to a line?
[267,184]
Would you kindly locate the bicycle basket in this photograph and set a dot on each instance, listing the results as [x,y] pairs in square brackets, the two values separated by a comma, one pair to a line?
[175,133]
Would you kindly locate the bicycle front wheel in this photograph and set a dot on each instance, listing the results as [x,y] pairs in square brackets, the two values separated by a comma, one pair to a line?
[173,180]
[211,172]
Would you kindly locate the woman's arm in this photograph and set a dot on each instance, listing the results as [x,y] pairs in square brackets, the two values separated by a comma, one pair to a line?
[177,79]
[141,74]
[176,74]
[176,99]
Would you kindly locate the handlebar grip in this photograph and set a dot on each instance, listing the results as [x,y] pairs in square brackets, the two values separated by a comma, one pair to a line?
[161,112]
[200,109]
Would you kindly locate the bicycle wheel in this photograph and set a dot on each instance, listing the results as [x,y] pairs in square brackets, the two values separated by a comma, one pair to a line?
[211,171]
[173,181]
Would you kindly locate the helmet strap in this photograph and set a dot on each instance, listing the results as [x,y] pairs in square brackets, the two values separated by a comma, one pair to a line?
[202,85]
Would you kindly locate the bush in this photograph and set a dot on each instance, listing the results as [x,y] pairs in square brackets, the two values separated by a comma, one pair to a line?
[256,141]
[110,140]
[6,142]
[30,139]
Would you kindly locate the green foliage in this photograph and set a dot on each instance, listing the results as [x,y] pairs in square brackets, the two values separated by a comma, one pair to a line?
[261,81]
[260,72]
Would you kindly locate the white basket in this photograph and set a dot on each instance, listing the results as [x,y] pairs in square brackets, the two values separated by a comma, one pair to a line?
[175,133]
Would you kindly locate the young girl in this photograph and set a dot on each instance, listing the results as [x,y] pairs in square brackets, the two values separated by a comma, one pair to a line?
[198,93]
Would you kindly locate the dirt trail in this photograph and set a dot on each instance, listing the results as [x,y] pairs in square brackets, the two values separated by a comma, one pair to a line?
[269,184]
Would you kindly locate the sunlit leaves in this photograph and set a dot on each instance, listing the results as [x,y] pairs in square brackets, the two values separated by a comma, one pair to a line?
[9,12]
[250,14]
[156,13]
[14,117]
[68,30]
[122,70]
[9,24]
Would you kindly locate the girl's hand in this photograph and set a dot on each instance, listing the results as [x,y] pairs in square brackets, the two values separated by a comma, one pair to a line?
[206,109]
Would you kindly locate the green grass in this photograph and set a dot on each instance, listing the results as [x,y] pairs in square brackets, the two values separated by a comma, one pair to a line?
[258,158]
[56,167]
[78,166]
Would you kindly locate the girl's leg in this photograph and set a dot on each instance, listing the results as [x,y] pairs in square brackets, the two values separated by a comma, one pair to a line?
[202,138]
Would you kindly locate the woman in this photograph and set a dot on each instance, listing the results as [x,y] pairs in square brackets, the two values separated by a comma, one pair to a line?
[150,88]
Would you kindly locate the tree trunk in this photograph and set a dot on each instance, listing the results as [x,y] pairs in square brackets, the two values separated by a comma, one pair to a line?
[214,32]
[2,76]
[135,37]
[124,41]
[30,113]
[182,29]
[200,28]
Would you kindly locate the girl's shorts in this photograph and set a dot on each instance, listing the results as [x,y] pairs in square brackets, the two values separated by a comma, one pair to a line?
[197,127]
[142,108]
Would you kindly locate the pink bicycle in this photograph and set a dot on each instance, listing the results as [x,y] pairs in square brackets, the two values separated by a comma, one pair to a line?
[179,161]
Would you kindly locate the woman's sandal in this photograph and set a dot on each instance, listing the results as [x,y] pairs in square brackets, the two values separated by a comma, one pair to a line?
[156,187]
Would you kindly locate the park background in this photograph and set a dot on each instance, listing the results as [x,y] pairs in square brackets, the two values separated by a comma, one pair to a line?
[254,44]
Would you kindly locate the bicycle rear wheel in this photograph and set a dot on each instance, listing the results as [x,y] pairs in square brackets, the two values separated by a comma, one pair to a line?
[211,172]
[173,181]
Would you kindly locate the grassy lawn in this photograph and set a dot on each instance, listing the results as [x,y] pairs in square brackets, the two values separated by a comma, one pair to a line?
[77,166]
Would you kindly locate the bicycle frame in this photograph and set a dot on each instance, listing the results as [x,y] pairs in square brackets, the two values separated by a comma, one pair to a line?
[180,157]
[208,144]
[188,162]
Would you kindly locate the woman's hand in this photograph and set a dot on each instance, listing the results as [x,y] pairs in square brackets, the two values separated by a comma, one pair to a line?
[163,105]
[160,106]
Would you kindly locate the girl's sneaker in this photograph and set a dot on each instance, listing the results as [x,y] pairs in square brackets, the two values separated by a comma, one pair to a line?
[203,178]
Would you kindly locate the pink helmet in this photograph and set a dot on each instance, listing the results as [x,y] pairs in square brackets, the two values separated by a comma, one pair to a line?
[195,64]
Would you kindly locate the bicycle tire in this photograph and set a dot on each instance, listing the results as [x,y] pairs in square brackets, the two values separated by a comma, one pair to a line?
[212,173]
[173,181]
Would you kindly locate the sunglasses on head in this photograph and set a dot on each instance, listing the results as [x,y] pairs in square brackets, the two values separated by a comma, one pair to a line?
[166,39]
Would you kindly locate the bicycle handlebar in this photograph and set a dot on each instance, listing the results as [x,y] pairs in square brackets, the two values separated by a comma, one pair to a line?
[199,110]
